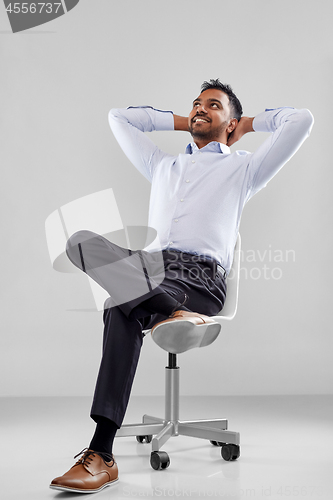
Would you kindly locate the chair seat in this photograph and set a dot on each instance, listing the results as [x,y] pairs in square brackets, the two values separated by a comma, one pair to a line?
[180,336]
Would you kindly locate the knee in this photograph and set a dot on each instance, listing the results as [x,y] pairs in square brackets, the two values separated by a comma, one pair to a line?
[78,237]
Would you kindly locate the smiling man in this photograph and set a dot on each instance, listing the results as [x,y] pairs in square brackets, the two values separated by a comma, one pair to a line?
[213,117]
[196,204]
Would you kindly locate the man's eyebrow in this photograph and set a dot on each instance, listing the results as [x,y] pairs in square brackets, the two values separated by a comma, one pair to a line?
[210,100]
[215,100]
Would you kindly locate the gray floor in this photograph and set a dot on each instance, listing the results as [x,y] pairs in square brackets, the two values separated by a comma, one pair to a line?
[286,449]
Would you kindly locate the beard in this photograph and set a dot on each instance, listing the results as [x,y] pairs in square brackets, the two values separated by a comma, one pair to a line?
[209,134]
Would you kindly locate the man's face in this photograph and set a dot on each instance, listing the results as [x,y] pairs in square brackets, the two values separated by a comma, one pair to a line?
[210,115]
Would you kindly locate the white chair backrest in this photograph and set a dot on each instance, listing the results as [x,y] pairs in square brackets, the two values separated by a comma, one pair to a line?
[230,305]
[96,212]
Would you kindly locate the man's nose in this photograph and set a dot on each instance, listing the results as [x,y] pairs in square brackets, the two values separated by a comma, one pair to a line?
[201,108]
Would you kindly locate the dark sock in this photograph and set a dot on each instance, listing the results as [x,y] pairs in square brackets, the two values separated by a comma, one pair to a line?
[102,440]
[164,304]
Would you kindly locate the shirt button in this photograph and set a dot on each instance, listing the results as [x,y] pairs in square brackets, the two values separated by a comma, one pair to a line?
[176,220]
[182,199]
[193,161]
[171,243]
[187,180]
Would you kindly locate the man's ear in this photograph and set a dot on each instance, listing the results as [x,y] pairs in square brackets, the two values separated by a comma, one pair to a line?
[232,125]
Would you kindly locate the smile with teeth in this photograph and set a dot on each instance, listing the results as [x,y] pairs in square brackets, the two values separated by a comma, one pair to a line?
[198,119]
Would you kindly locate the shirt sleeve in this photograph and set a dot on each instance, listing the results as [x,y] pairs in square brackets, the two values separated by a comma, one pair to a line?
[129,127]
[290,127]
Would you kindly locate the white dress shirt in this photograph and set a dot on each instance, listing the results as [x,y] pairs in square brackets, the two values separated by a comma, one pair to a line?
[197,198]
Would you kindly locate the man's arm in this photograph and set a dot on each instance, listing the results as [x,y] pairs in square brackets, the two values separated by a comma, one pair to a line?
[180,123]
[289,127]
[129,127]
[244,126]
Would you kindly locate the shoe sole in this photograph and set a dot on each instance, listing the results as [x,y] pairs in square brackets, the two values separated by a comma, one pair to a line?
[180,336]
[77,490]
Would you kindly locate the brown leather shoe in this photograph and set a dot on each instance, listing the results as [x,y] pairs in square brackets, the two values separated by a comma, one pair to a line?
[90,474]
[185,330]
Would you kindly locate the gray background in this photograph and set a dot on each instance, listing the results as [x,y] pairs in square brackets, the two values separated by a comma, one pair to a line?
[58,82]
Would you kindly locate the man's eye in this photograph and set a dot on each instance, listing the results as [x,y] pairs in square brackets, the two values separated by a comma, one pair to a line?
[195,104]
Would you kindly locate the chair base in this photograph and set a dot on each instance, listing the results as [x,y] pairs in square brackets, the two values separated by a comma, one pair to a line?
[215,430]
[162,430]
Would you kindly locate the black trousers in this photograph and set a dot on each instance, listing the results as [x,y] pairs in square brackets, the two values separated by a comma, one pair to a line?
[131,277]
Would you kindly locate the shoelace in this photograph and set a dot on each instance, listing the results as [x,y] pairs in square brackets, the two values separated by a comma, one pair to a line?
[87,456]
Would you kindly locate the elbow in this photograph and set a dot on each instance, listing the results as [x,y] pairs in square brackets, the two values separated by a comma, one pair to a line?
[114,114]
[306,119]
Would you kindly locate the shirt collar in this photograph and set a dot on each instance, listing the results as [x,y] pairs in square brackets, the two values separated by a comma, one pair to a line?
[212,147]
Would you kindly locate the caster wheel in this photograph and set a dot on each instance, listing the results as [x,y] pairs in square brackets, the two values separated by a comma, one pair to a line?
[142,439]
[217,443]
[230,452]
[159,460]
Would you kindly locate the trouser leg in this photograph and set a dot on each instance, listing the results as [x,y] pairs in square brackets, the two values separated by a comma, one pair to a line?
[121,349]
[122,343]
[129,277]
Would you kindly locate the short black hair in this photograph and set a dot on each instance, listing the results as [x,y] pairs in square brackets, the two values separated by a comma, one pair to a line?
[235,105]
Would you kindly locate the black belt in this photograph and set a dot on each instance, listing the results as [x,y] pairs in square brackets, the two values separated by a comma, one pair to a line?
[201,259]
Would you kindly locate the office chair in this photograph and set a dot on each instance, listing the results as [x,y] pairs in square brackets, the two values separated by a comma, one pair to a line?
[164,428]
